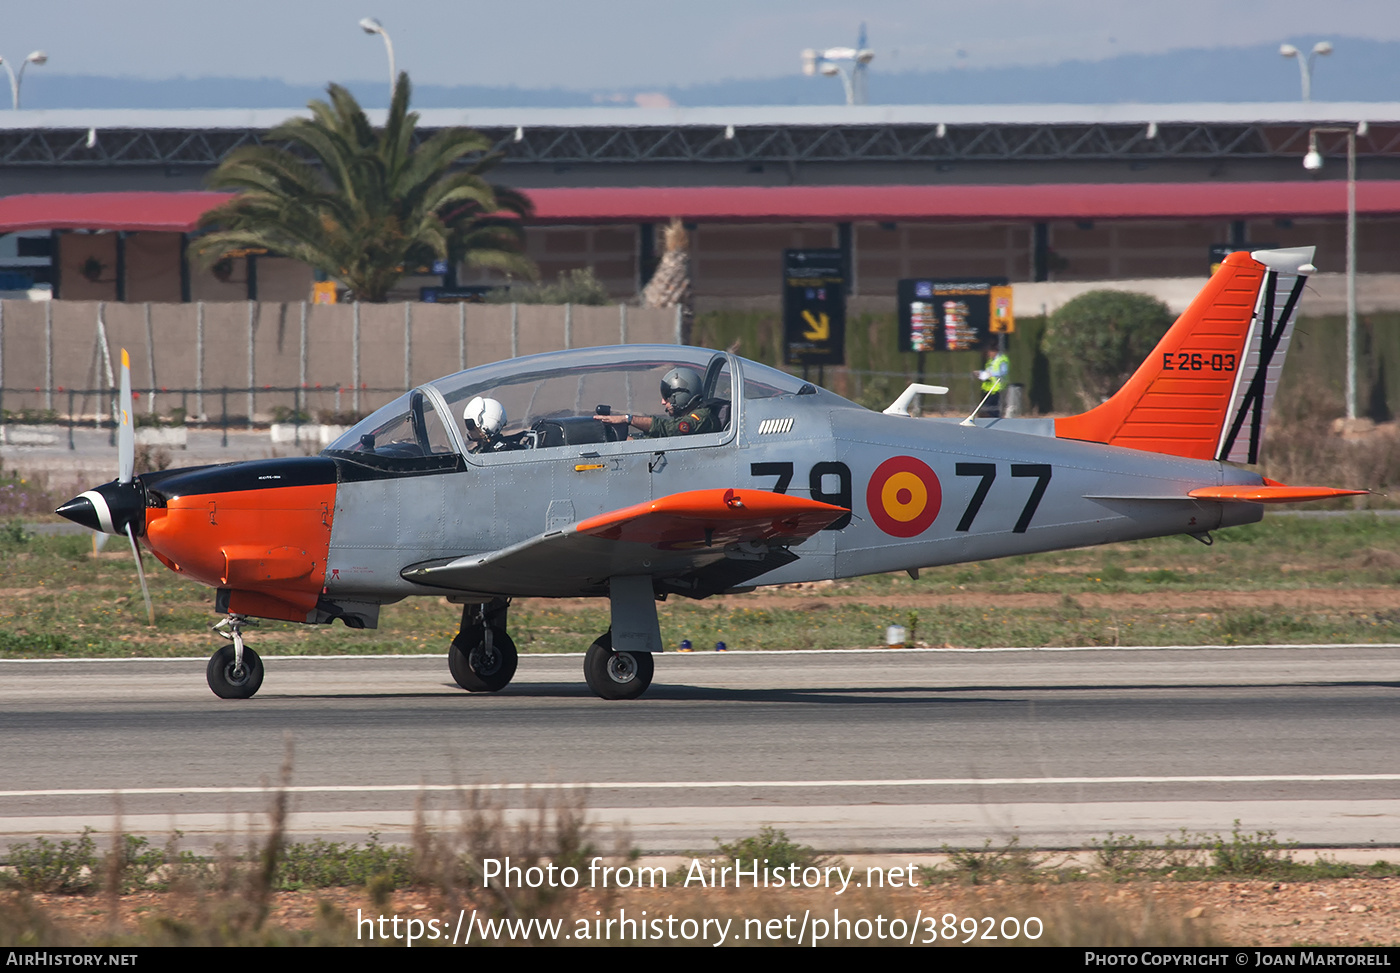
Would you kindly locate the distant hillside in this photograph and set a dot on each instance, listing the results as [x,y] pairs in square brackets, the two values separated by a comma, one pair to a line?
[94,91]
[1358,70]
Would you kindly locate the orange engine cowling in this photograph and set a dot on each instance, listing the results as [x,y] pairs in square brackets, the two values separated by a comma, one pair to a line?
[259,532]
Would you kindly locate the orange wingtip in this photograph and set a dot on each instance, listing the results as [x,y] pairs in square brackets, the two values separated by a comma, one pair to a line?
[728,514]
[1273,493]
[126,359]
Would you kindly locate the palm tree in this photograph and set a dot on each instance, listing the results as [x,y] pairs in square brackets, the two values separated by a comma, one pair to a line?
[363,205]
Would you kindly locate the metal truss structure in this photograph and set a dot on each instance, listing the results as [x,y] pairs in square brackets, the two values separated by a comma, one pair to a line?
[756,144]
[924,143]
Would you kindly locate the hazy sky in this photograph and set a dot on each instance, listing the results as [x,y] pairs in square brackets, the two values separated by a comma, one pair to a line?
[630,43]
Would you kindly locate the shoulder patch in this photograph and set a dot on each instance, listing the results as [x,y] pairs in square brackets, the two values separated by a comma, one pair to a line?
[685,426]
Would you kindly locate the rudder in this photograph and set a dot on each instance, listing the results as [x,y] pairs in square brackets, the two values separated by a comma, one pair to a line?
[1206,390]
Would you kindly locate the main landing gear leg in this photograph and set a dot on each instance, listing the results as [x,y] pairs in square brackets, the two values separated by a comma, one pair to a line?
[482,657]
[619,664]
[235,671]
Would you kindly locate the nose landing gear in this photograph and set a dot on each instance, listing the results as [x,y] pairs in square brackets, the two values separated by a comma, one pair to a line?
[234,671]
[482,658]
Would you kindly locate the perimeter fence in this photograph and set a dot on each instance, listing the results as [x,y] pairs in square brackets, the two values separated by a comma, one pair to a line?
[279,354]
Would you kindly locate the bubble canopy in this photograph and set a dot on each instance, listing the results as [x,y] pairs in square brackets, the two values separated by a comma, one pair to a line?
[556,386]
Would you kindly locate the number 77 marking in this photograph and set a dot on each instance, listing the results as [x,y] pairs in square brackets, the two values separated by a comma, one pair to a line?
[988,473]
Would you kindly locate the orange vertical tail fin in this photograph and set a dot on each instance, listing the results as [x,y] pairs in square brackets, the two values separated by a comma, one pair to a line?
[1206,389]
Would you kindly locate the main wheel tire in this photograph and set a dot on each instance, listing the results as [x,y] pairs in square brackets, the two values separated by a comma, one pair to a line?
[478,670]
[616,675]
[229,682]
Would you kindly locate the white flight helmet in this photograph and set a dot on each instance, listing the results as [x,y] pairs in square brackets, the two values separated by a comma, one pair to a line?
[484,414]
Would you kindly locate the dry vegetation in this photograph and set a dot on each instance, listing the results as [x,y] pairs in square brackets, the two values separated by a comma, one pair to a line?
[1243,889]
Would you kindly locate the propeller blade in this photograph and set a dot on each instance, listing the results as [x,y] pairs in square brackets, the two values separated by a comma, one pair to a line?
[126,434]
[141,573]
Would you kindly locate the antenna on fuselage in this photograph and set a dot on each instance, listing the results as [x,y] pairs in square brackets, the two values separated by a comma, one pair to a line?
[968,421]
[900,406]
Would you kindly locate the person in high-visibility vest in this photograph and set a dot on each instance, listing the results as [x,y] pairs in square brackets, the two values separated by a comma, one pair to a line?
[993,376]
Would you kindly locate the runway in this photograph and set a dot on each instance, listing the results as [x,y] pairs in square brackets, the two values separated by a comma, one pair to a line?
[900,750]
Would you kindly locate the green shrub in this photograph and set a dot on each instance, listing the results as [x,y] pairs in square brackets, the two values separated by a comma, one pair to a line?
[572,287]
[28,417]
[1101,337]
[978,866]
[321,863]
[68,868]
[1260,853]
[775,848]
[282,413]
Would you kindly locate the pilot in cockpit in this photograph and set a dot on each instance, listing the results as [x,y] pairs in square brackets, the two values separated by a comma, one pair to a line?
[484,419]
[687,412]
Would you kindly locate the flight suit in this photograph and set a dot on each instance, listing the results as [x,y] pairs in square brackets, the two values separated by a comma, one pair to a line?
[699,419]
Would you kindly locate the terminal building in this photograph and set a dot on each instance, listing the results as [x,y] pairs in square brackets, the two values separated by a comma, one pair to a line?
[100,205]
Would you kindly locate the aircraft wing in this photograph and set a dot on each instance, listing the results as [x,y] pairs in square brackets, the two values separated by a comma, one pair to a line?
[698,543]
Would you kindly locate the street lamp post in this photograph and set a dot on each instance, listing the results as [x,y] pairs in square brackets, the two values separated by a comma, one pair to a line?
[35,57]
[371,26]
[825,63]
[1313,162]
[1305,64]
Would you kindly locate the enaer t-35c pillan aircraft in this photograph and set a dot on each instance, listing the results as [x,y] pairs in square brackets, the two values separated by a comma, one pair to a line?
[783,482]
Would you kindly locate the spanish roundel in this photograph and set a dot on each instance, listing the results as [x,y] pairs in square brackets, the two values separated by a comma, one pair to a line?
[903,496]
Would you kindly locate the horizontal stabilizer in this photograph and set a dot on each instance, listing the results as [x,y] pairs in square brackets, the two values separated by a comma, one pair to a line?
[1272,493]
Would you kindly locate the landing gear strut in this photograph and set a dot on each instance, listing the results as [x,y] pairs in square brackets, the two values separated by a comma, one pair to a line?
[482,657]
[235,671]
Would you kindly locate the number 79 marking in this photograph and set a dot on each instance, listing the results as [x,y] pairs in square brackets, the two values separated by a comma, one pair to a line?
[988,473]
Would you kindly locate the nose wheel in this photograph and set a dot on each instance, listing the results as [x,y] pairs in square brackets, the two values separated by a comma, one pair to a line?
[235,671]
[482,658]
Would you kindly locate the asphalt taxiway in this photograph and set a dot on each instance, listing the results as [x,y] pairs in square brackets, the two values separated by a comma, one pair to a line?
[862,750]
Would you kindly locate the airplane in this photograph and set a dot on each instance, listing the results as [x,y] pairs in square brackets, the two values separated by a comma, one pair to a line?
[795,484]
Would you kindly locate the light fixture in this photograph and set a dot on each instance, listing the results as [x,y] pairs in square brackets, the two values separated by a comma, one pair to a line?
[16,80]
[825,63]
[372,26]
[1305,63]
[1313,162]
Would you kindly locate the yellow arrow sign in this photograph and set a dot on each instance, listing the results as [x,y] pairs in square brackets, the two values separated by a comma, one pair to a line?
[821,327]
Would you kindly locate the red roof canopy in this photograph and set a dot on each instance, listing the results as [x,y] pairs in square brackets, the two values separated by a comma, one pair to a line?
[1059,201]
[180,212]
[168,212]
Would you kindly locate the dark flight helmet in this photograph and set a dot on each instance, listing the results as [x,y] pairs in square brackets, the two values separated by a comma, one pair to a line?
[682,387]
